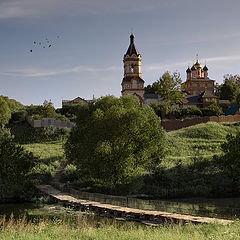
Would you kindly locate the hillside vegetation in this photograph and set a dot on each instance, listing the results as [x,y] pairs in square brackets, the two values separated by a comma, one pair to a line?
[199,141]
[190,168]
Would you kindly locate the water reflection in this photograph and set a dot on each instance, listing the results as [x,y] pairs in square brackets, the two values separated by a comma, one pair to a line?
[228,208]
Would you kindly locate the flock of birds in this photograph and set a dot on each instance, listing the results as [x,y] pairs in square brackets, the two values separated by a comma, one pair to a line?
[44,44]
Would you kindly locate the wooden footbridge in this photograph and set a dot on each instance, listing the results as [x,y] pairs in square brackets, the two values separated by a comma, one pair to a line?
[108,210]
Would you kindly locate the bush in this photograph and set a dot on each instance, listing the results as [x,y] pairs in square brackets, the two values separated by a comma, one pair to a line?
[15,164]
[182,113]
[23,134]
[213,109]
[19,115]
[116,141]
[230,160]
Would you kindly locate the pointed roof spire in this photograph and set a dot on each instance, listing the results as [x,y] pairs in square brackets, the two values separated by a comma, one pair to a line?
[132,49]
[132,39]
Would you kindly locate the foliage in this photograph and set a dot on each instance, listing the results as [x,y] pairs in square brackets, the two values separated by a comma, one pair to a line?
[190,112]
[23,133]
[162,110]
[15,163]
[71,111]
[19,116]
[224,107]
[116,140]
[230,88]
[169,88]
[12,104]
[51,156]
[5,113]
[230,160]
[7,108]
[189,169]
[46,110]
[213,109]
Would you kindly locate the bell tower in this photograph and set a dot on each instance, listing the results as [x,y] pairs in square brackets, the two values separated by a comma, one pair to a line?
[132,82]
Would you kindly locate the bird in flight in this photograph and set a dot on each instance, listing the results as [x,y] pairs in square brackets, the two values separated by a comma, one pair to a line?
[46,43]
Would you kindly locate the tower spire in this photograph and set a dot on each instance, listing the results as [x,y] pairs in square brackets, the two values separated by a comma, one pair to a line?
[132,39]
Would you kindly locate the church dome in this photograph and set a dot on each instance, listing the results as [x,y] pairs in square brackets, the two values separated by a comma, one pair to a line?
[197,65]
[193,68]
[205,68]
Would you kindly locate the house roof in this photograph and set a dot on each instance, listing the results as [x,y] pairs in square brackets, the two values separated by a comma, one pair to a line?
[207,94]
[232,110]
[196,99]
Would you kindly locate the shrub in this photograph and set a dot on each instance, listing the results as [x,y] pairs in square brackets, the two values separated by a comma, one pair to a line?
[182,113]
[23,133]
[116,140]
[230,160]
[15,164]
[213,109]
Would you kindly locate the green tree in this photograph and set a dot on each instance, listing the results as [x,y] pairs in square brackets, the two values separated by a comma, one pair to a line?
[213,109]
[42,111]
[73,110]
[15,163]
[12,104]
[230,88]
[169,88]
[229,162]
[5,112]
[115,140]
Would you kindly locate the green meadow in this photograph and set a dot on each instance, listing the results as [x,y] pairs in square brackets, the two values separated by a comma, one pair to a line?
[89,228]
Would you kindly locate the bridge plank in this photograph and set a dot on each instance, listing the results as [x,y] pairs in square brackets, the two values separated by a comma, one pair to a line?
[136,214]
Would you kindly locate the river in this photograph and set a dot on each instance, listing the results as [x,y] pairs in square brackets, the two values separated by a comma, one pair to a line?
[228,208]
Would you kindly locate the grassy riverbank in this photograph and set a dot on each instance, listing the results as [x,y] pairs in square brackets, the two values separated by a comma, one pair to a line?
[89,228]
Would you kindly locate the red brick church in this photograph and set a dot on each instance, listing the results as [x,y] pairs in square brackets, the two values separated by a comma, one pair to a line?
[199,88]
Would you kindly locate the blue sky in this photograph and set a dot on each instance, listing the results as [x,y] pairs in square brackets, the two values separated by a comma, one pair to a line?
[90,37]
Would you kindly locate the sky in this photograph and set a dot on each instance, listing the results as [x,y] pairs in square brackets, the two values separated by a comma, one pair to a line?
[89,38]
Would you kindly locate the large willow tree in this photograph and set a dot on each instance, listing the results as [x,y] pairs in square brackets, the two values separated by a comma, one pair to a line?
[115,139]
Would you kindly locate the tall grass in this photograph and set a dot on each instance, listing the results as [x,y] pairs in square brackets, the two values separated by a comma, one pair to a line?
[85,228]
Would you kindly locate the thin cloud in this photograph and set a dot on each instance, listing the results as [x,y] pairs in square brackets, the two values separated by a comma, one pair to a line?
[48,8]
[33,72]
[178,65]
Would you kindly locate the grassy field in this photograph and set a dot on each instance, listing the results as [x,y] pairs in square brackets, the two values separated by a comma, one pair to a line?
[202,140]
[86,228]
[51,156]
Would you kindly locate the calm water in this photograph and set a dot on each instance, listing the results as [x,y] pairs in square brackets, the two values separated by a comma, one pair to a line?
[228,208]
